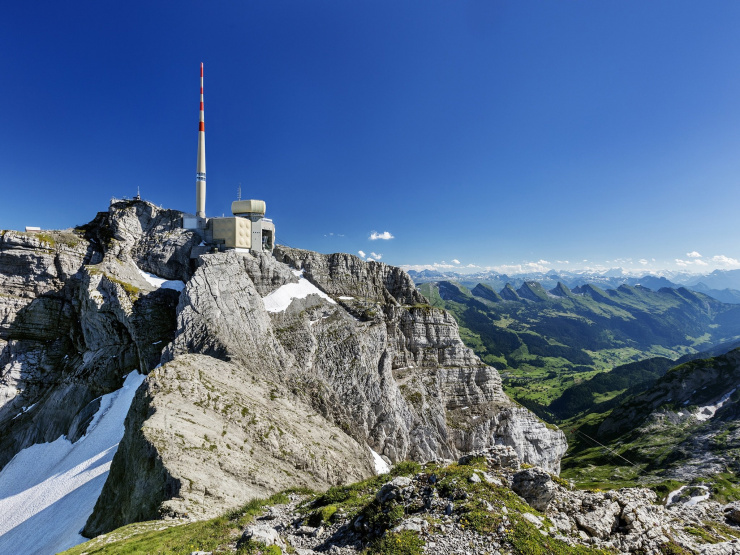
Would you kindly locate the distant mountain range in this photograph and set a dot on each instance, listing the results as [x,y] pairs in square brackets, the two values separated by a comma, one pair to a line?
[543,341]
[723,285]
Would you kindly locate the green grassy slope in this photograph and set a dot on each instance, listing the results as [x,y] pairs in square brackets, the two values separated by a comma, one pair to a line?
[655,433]
[545,343]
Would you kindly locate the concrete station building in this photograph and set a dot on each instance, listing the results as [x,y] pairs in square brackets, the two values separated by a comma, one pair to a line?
[247,229]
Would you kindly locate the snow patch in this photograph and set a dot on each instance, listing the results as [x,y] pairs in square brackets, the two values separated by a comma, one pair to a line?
[707,412]
[48,490]
[24,410]
[161,283]
[346,298]
[692,500]
[280,299]
[381,467]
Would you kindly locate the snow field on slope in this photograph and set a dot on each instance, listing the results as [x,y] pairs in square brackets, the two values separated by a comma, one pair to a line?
[381,467]
[158,282]
[280,299]
[707,412]
[674,495]
[48,490]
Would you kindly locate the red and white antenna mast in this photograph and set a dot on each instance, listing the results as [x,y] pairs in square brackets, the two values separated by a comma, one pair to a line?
[200,176]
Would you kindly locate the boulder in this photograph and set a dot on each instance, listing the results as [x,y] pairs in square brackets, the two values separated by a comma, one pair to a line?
[601,520]
[732,512]
[262,534]
[535,486]
[393,489]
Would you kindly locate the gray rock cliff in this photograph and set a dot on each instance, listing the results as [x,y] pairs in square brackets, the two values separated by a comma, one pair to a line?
[75,317]
[247,401]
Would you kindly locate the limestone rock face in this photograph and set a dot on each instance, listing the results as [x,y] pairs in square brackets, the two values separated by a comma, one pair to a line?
[74,319]
[204,435]
[246,401]
[376,371]
[346,275]
[221,314]
[153,237]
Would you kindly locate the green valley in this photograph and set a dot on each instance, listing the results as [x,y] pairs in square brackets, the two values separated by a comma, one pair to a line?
[632,376]
[547,342]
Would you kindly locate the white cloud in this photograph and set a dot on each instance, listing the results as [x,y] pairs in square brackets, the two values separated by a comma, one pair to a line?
[693,254]
[385,235]
[698,262]
[361,253]
[376,256]
[455,261]
[435,266]
[527,267]
[726,261]
[643,261]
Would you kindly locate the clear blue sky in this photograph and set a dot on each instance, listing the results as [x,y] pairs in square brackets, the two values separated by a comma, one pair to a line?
[490,133]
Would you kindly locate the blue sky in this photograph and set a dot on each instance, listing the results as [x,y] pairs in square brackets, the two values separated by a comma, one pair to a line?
[496,134]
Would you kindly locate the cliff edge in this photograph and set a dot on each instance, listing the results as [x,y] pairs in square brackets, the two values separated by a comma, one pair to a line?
[298,369]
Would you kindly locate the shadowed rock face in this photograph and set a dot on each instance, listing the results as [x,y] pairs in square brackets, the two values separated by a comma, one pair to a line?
[75,317]
[246,402]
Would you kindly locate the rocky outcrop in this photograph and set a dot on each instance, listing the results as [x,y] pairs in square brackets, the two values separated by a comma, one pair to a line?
[375,363]
[469,508]
[221,314]
[535,486]
[152,237]
[247,401]
[75,317]
[344,274]
[204,435]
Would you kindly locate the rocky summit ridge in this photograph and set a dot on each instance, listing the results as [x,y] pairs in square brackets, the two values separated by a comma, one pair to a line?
[486,503]
[239,401]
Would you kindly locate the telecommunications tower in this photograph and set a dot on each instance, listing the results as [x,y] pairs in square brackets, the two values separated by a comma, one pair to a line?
[200,176]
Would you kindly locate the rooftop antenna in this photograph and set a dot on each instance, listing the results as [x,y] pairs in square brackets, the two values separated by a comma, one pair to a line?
[239,192]
[138,193]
